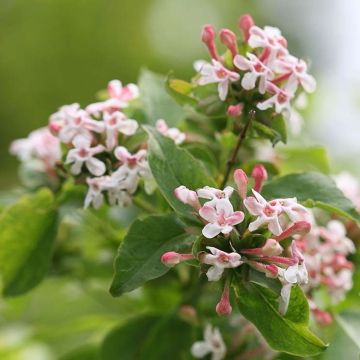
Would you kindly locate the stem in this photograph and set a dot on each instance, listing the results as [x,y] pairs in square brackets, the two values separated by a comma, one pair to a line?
[232,160]
[144,205]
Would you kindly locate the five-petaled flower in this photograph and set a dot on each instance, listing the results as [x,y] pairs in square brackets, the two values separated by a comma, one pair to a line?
[256,69]
[116,123]
[219,221]
[219,261]
[217,73]
[83,153]
[213,344]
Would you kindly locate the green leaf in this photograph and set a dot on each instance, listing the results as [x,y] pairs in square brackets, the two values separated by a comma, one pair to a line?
[27,233]
[276,131]
[304,159]
[172,166]
[290,333]
[149,337]
[139,255]
[180,90]
[278,124]
[157,103]
[314,190]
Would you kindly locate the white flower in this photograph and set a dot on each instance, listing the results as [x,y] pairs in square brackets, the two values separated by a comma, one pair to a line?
[294,274]
[267,213]
[40,145]
[83,153]
[172,133]
[217,73]
[268,38]
[213,344]
[116,123]
[219,260]
[281,98]
[257,70]
[71,121]
[220,221]
[132,168]
[95,195]
[119,98]
[219,199]
[297,68]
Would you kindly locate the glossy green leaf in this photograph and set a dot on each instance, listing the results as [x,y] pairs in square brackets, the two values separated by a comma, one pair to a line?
[27,233]
[172,166]
[139,255]
[290,333]
[157,103]
[314,190]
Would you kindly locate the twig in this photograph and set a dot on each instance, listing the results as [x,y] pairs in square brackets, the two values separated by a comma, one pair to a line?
[232,160]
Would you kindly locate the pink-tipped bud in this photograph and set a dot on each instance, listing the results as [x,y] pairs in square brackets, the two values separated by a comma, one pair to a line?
[235,110]
[223,308]
[246,22]
[241,181]
[54,128]
[172,258]
[188,197]
[270,270]
[299,228]
[272,248]
[208,38]
[260,175]
[228,38]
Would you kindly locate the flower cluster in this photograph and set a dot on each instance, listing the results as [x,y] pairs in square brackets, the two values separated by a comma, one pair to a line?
[94,145]
[325,251]
[274,220]
[261,66]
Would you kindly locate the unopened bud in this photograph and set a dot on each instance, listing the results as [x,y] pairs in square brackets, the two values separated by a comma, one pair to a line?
[260,175]
[299,228]
[246,22]
[241,181]
[235,110]
[208,38]
[223,308]
[172,258]
[272,248]
[54,128]
[228,38]
[186,196]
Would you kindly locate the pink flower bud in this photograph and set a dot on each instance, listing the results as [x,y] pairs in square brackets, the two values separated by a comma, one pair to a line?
[245,24]
[223,308]
[270,270]
[299,228]
[228,38]
[186,196]
[188,313]
[208,38]
[172,258]
[54,128]
[235,110]
[272,248]
[260,175]
[241,181]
